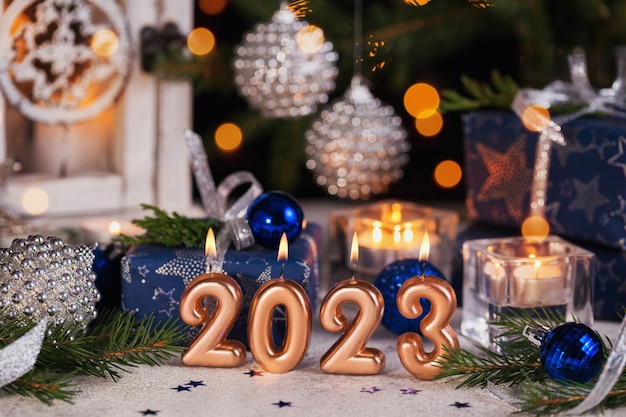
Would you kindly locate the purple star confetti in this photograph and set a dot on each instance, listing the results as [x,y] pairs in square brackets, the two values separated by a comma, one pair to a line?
[181,388]
[460,405]
[370,390]
[410,391]
[195,383]
[149,412]
[282,404]
[253,373]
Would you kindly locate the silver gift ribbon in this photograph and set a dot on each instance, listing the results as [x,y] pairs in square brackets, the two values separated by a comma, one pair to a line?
[610,101]
[215,199]
[20,356]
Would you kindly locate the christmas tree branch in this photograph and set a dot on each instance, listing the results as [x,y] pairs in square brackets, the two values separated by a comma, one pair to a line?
[170,230]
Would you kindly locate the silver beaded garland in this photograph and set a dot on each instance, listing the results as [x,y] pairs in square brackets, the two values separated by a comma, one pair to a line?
[279,77]
[42,277]
[357,147]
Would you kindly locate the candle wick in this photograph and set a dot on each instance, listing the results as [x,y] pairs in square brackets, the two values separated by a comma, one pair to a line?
[282,272]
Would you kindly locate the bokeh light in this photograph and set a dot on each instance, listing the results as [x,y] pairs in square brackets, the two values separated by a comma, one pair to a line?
[535,228]
[417,2]
[448,174]
[228,137]
[212,7]
[421,99]
[35,201]
[310,39]
[535,118]
[200,41]
[429,124]
[104,42]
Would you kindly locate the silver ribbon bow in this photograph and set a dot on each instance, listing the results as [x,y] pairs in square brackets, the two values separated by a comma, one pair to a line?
[20,356]
[610,101]
[215,199]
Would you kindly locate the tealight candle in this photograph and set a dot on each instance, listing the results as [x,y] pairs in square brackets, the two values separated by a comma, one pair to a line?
[272,294]
[211,348]
[349,354]
[538,284]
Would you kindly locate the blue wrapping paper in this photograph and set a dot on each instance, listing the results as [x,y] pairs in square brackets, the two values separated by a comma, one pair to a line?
[609,286]
[586,197]
[154,277]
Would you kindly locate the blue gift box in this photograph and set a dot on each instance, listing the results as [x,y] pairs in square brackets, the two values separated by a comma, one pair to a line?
[154,277]
[609,286]
[586,197]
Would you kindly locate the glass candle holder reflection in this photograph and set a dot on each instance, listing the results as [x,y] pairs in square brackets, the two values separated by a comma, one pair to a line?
[389,230]
[550,276]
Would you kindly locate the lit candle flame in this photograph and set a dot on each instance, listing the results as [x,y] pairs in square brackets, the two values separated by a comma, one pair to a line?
[354,250]
[209,248]
[424,248]
[283,248]
[115,228]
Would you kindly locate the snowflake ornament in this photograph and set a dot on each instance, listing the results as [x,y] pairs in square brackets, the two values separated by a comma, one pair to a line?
[63,61]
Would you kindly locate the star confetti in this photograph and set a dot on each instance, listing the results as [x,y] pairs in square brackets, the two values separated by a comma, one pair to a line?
[460,405]
[253,373]
[282,404]
[195,383]
[149,412]
[181,388]
[410,391]
[370,390]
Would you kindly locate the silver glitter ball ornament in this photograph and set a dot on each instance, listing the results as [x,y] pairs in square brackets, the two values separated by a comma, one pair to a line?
[42,277]
[357,147]
[285,68]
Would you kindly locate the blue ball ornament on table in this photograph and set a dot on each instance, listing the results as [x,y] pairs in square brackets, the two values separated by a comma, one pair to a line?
[389,281]
[273,213]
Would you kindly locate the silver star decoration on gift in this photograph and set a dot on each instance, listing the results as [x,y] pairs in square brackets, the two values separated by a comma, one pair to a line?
[588,197]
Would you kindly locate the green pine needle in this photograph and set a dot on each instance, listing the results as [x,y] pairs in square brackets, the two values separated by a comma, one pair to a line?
[173,230]
[498,94]
[115,342]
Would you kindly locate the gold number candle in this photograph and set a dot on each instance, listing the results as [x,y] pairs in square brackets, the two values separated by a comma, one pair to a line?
[349,355]
[435,326]
[211,348]
[272,294]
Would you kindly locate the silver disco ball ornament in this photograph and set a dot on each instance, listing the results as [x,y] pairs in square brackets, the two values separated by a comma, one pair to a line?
[44,278]
[357,147]
[285,68]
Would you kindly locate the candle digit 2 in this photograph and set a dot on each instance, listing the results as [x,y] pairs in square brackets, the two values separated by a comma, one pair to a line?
[291,295]
[349,355]
[435,326]
[211,348]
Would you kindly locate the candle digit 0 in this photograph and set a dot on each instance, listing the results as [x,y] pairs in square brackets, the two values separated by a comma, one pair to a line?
[211,348]
[291,295]
[349,355]
[435,326]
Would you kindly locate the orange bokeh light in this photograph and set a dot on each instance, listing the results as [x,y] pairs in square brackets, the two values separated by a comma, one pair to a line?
[212,7]
[200,41]
[420,98]
[535,228]
[429,124]
[228,137]
[535,118]
[448,174]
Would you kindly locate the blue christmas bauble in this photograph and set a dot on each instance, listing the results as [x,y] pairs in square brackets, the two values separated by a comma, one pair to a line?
[572,352]
[389,282]
[273,213]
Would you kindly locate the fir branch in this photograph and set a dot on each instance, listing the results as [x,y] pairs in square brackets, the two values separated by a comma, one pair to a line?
[43,385]
[499,93]
[170,230]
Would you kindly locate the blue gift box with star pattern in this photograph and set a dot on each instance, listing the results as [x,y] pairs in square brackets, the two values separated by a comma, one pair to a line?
[154,277]
[586,197]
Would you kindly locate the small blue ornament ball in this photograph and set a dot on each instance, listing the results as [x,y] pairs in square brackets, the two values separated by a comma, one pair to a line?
[389,282]
[572,352]
[273,213]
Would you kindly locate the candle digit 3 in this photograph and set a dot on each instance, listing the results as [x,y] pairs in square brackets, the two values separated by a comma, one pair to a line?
[435,326]
[291,295]
[349,355]
[211,348]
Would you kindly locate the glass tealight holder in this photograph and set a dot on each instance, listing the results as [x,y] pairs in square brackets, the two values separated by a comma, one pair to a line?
[389,230]
[515,275]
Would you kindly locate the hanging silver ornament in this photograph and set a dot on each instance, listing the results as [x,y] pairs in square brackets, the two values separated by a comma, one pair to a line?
[44,278]
[285,68]
[63,61]
[357,147]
